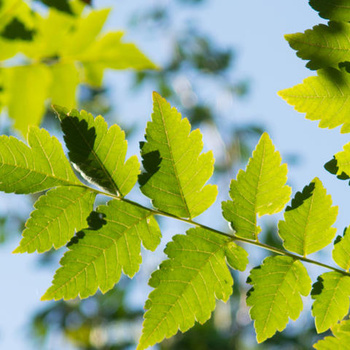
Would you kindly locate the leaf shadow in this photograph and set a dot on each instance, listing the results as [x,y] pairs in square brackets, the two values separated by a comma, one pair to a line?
[300,197]
[151,163]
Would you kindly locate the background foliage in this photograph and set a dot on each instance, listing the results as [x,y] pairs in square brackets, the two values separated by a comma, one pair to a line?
[141,77]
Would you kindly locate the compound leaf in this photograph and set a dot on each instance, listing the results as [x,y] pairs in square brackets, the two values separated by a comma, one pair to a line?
[36,168]
[340,339]
[324,98]
[324,45]
[176,172]
[341,251]
[59,213]
[187,284]
[307,222]
[275,296]
[331,293]
[338,10]
[98,152]
[97,255]
[259,190]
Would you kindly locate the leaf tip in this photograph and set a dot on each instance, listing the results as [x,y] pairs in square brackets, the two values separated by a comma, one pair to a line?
[60,111]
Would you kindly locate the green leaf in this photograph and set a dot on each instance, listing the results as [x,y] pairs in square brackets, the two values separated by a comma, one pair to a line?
[324,98]
[307,222]
[259,190]
[65,78]
[98,152]
[338,10]
[341,251]
[27,89]
[331,293]
[98,255]
[59,213]
[187,284]
[176,172]
[340,340]
[343,160]
[86,30]
[275,296]
[110,52]
[325,46]
[36,168]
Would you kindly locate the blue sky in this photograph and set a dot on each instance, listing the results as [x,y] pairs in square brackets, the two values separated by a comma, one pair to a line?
[255,29]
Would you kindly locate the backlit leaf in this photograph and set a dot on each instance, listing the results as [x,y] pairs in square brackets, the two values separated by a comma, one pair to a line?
[307,222]
[338,10]
[98,152]
[341,251]
[26,90]
[331,293]
[324,98]
[343,160]
[340,339]
[324,45]
[36,168]
[276,294]
[99,254]
[176,171]
[187,284]
[57,215]
[259,190]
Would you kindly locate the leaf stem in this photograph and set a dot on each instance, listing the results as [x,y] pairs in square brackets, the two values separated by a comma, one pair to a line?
[231,236]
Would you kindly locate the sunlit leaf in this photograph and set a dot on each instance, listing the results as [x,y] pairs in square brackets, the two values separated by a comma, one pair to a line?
[36,168]
[259,190]
[176,171]
[324,98]
[187,284]
[307,222]
[324,45]
[57,216]
[99,254]
[98,152]
[331,293]
[341,251]
[340,339]
[276,294]
[26,90]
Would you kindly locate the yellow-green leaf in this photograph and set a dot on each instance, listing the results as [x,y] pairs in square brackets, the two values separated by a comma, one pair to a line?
[36,168]
[324,98]
[187,284]
[97,256]
[176,171]
[26,90]
[307,222]
[276,294]
[331,293]
[259,190]
[57,216]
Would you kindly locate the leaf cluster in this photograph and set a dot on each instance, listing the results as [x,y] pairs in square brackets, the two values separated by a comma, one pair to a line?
[59,51]
[105,242]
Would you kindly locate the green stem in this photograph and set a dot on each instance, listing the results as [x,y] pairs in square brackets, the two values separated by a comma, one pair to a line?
[231,236]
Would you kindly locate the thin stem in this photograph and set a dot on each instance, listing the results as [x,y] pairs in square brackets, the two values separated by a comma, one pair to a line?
[231,236]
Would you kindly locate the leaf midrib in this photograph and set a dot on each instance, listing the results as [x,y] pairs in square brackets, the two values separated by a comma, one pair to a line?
[172,159]
[99,162]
